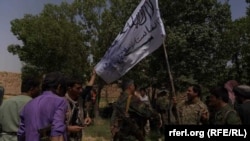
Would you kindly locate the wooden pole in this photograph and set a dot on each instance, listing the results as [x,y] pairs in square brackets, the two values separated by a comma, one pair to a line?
[168,67]
[170,107]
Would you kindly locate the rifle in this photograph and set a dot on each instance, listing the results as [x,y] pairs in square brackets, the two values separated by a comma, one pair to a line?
[131,127]
[73,121]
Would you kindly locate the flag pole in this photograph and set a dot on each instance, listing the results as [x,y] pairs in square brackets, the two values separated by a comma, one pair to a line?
[168,67]
[170,106]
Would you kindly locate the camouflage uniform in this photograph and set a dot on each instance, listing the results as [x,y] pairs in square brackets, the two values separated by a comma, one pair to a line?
[226,116]
[164,108]
[131,124]
[190,112]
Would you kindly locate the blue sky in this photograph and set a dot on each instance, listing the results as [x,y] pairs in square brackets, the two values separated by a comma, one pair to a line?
[13,9]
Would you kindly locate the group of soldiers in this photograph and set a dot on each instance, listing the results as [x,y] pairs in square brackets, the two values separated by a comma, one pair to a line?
[131,114]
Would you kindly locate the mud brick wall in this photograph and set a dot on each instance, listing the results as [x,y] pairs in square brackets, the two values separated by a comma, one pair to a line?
[11,83]
[111,91]
[109,94]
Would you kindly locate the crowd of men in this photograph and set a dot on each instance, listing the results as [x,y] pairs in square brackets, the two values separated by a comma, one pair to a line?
[51,109]
[228,104]
[57,108]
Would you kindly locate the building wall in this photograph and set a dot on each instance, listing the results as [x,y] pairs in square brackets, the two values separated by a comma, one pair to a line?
[11,83]
[12,86]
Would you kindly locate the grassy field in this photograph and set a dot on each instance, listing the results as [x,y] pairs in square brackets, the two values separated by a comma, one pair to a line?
[100,131]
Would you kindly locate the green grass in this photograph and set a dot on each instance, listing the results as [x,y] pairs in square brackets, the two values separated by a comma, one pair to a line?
[100,130]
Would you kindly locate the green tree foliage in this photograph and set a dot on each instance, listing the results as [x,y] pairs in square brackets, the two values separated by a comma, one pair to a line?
[52,41]
[195,39]
[240,38]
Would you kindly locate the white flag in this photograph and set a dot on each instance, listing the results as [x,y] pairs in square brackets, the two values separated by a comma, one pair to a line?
[142,34]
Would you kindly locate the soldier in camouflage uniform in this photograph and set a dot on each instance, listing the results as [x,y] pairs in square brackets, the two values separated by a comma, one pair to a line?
[129,115]
[192,111]
[224,113]
[163,106]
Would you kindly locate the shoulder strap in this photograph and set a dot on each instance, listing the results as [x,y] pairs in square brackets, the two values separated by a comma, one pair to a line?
[226,115]
[128,103]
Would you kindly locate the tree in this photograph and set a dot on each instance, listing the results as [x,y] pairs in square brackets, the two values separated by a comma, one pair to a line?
[51,40]
[240,38]
[195,39]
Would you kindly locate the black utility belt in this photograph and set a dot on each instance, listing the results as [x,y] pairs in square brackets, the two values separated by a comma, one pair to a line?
[9,133]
